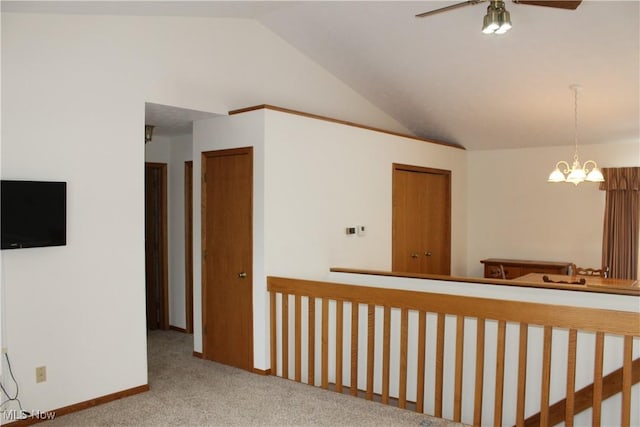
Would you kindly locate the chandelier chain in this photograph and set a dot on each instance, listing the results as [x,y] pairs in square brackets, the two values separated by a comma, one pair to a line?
[575,125]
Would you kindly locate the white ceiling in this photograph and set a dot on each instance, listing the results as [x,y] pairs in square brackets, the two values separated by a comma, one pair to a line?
[172,121]
[440,76]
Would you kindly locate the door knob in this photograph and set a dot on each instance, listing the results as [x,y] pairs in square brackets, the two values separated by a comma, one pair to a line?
[242,275]
[414,255]
[428,253]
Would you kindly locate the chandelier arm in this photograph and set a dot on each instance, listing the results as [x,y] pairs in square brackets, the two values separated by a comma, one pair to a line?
[567,168]
[586,168]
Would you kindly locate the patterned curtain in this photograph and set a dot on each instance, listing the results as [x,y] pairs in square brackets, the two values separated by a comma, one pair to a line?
[621,221]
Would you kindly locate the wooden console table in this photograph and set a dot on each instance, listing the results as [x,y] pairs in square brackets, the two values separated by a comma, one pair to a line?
[517,267]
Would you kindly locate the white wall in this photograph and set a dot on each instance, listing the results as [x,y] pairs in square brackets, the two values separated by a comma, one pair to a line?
[515,213]
[73,94]
[243,130]
[312,179]
[322,177]
[181,151]
[78,309]
[158,150]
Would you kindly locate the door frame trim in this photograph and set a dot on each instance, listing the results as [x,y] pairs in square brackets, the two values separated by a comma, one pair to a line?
[203,241]
[422,169]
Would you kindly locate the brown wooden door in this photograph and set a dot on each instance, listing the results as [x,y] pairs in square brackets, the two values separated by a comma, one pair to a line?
[227,257]
[156,263]
[421,220]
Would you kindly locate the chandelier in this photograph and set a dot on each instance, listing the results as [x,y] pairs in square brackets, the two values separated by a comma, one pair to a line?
[576,173]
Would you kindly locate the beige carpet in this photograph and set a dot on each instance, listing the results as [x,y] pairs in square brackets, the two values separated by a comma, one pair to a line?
[186,391]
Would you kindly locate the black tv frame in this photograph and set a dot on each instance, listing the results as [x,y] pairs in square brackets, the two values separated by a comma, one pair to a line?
[33,214]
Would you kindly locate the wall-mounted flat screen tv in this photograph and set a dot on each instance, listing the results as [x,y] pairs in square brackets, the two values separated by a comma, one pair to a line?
[33,214]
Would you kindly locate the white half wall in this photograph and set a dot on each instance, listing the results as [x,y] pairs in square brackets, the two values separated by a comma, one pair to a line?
[515,213]
[584,361]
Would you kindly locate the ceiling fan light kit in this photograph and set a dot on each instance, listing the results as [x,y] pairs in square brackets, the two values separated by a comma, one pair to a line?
[497,20]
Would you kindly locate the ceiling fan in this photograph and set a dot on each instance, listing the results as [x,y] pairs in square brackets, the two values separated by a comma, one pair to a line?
[498,20]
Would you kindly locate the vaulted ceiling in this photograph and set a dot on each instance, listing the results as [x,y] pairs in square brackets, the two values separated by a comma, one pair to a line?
[442,78]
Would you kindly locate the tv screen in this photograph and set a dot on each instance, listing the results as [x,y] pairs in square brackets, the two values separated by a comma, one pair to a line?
[33,214]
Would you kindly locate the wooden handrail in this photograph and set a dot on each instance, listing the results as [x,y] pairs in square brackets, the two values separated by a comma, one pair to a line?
[610,321]
[611,385]
[389,357]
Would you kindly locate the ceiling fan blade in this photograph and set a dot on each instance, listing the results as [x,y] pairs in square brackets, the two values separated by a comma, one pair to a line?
[447,8]
[560,4]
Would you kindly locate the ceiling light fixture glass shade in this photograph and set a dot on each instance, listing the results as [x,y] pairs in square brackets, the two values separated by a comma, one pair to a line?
[505,22]
[497,20]
[148,133]
[576,173]
[490,22]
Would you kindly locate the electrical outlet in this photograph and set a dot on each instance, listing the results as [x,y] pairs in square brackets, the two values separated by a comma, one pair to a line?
[5,350]
[41,374]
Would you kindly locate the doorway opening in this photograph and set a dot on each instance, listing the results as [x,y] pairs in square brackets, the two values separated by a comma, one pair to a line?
[156,246]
